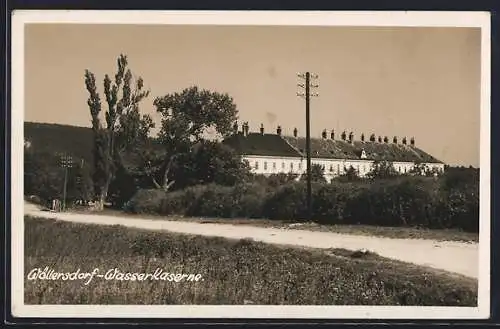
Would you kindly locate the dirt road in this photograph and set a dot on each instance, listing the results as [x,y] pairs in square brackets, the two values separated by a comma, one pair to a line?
[455,257]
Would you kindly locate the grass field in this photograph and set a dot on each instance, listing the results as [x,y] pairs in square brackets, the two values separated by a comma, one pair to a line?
[232,272]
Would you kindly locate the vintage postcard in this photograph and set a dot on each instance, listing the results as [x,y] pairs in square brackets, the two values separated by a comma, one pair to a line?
[185,164]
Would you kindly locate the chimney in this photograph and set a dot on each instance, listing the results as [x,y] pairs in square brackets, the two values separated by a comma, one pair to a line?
[295,132]
[235,128]
[262,129]
[332,134]
[372,138]
[278,131]
[323,134]
[362,137]
[412,141]
[395,140]
[245,129]
[404,140]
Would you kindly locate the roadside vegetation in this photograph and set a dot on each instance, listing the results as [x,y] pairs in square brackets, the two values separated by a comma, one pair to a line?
[417,202]
[233,271]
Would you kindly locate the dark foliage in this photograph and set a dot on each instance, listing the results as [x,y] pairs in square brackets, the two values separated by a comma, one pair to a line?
[403,201]
[382,170]
[44,177]
[208,162]
[317,174]
[123,130]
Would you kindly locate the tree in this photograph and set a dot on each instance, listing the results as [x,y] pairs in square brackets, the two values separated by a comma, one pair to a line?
[372,138]
[124,130]
[279,179]
[460,178]
[84,182]
[187,118]
[44,177]
[418,169]
[350,174]
[317,174]
[209,162]
[382,169]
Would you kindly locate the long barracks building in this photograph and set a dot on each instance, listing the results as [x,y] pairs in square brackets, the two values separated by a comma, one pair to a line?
[274,153]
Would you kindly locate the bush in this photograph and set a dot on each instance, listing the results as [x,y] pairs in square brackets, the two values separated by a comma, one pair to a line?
[402,201]
[242,200]
[213,201]
[249,200]
[331,202]
[287,202]
[146,202]
[393,203]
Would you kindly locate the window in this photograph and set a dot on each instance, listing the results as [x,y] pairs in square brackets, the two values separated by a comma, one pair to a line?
[274,165]
[300,165]
[338,168]
[291,165]
[283,165]
[256,164]
[331,168]
[405,170]
[265,165]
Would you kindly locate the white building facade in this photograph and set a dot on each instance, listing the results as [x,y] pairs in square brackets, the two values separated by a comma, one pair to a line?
[269,154]
[268,165]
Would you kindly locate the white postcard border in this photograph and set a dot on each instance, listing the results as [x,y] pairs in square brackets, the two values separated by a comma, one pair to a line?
[310,18]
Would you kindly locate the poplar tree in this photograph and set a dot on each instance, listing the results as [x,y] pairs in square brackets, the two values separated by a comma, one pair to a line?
[123,129]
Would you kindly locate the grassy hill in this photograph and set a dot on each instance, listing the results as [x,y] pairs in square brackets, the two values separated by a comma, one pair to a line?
[57,138]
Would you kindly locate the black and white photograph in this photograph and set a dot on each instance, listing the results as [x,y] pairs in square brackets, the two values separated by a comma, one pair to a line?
[184,164]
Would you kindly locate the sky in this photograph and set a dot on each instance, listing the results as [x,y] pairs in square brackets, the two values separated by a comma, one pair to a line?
[403,81]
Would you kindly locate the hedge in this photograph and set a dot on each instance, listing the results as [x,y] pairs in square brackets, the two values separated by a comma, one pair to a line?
[409,201]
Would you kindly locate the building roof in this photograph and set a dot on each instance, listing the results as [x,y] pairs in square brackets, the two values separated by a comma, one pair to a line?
[275,145]
[340,149]
[261,144]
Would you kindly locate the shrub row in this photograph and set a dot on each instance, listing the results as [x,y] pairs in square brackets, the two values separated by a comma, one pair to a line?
[408,201]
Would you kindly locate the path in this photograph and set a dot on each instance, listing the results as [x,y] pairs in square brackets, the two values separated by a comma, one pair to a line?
[450,256]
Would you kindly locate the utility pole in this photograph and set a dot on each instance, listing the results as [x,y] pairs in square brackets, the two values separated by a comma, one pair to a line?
[66,162]
[307,86]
